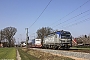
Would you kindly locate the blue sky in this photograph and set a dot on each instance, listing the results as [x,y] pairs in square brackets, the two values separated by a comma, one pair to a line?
[22,13]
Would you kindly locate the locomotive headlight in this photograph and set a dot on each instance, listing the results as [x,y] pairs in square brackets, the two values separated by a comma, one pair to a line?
[69,44]
[68,40]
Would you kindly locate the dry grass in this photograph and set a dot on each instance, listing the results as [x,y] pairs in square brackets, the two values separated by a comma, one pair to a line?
[45,56]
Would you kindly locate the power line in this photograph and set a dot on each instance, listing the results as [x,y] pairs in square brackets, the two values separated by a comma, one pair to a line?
[78,22]
[41,13]
[71,12]
[77,19]
[72,18]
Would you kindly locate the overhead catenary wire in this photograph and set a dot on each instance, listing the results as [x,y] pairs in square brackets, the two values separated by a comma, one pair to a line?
[72,18]
[76,20]
[41,14]
[70,12]
[88,19]
[62,17]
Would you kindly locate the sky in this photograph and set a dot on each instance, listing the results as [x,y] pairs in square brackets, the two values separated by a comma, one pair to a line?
[69,15]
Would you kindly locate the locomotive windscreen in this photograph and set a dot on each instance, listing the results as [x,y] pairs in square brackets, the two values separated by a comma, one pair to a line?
[66,35]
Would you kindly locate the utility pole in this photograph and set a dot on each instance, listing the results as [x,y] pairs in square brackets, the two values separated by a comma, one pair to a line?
[27,38]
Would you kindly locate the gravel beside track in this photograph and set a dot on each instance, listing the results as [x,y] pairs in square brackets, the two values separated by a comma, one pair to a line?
[70,54]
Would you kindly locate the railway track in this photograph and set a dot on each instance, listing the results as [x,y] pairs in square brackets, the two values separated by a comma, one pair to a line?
[78,54]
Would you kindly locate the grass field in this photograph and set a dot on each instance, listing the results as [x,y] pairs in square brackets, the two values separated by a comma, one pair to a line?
[7,53]
[25,56]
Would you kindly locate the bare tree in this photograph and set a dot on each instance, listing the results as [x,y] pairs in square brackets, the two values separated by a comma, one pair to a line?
[8,33]
[13,40]
[2,36]
[44,31]
[85,39]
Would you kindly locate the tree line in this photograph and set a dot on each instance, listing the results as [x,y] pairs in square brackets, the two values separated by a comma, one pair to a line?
[9,32]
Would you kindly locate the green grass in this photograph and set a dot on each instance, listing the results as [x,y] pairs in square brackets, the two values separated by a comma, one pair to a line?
[25,56]
[8,53]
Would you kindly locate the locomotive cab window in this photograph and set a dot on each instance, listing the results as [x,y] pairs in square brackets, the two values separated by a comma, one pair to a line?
[65,35]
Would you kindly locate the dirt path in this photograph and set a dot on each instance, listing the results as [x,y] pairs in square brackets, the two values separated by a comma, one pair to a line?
[18,56]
